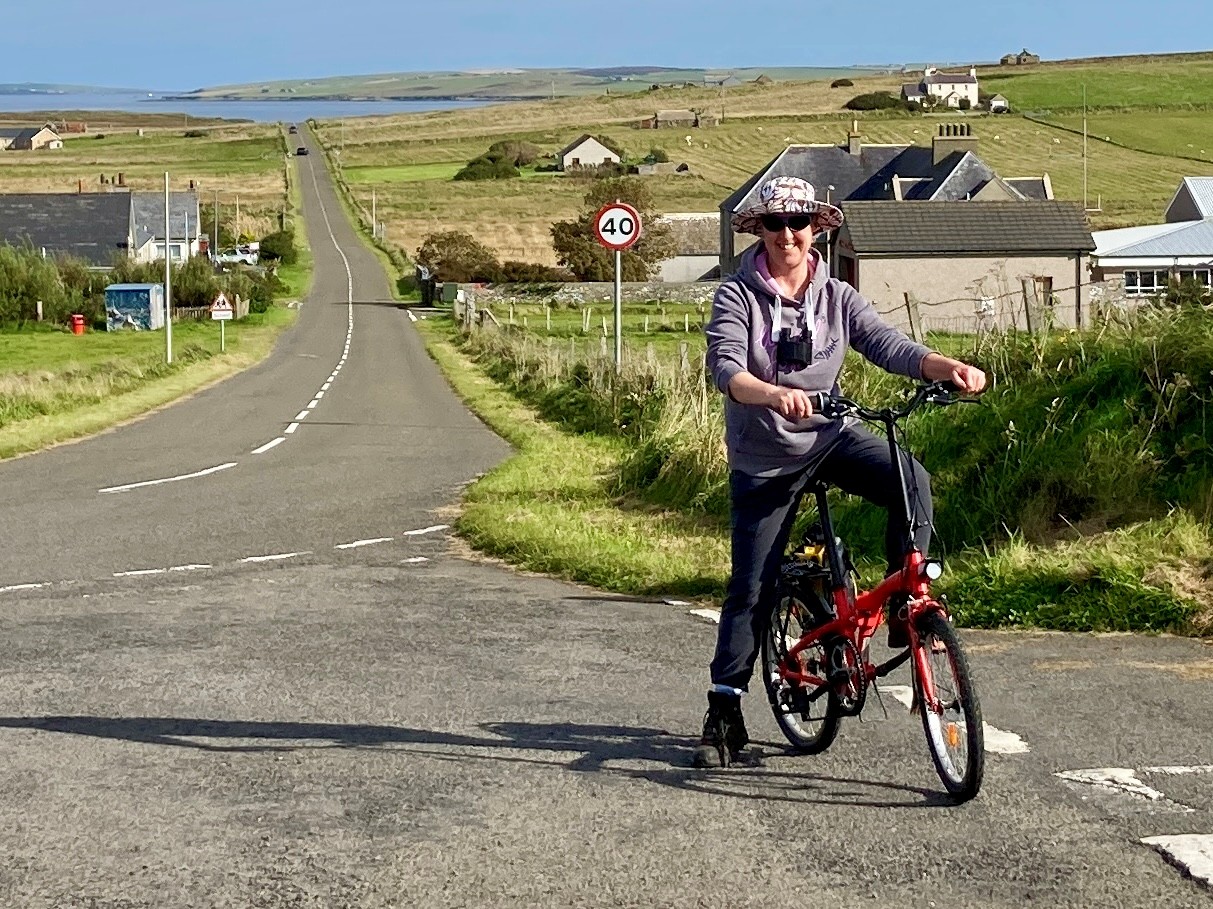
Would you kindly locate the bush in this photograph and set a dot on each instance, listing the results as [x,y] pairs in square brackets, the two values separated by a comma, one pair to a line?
[457,256]
[533,273]
[194,134]
[488,167]
[965,104]
[656,156]
[873,101]
[577,250]
[841,83]
[279,247]
[516,151]
[913,106]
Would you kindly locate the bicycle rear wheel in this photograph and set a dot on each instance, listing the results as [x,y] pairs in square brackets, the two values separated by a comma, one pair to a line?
[954,732]
[809,725]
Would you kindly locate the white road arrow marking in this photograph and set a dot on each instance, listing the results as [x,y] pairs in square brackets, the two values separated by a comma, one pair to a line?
[1191,852]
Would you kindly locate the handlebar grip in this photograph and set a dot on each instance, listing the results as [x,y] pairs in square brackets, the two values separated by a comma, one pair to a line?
[819,400]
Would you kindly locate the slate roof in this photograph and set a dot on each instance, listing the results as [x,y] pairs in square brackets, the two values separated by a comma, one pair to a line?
[1029,187]
[93,226]
[1180,239]
[998,228]
[147,215]
[949,79]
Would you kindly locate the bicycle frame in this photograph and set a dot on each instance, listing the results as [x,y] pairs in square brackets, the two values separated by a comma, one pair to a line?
[857,621]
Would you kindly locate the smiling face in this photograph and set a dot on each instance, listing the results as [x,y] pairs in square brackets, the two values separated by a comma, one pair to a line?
[787,249]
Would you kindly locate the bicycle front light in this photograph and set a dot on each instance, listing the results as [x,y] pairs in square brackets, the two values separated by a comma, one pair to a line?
[933,569]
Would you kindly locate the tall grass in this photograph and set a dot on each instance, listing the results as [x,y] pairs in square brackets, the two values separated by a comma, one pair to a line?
[1091,447]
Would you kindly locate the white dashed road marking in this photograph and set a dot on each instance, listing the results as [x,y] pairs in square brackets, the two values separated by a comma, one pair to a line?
[302,415]
[412,318]
[416,533]
[712,615]
[184,476]
[357,543]
[273,558]
[138,572]
[1126,780]
[190,567]
[291,429]
[414,560]
[22,587]
[1190,852]
[268,445]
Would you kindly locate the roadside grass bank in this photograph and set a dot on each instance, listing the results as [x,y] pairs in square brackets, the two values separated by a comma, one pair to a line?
[56,387]
[1078,497]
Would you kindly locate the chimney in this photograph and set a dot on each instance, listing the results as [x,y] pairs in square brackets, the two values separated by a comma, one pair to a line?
[973,71]
[121,179]
[953,137]
[854,141]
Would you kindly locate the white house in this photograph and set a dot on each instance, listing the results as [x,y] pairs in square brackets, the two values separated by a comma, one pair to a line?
[147,225]
[585,151]
[948,89]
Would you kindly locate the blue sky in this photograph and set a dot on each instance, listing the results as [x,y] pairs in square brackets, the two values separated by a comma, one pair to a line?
[191,45]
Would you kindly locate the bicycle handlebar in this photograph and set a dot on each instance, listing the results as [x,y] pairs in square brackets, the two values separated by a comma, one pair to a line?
[944,393]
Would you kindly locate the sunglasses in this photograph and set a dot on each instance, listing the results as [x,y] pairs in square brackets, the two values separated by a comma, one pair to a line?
[776,223]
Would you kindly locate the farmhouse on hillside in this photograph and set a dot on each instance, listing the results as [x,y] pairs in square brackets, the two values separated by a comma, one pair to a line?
[667,119]
[1023,58]
[695,235]
[585,151]
[29,138]
[950,89]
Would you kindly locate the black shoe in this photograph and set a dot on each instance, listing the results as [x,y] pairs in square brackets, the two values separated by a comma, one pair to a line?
[898,618]
[724,733]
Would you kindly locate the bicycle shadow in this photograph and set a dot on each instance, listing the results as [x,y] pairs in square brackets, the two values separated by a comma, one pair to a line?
[645,754]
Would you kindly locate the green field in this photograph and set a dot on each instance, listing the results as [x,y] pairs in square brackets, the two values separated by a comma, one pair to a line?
[1170,81]
[403,173]
[1176,134]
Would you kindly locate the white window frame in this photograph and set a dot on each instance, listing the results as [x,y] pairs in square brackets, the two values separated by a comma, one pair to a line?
[1146,281]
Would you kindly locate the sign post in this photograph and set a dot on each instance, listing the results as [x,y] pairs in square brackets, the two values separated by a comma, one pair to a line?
[221,312]
[617,226]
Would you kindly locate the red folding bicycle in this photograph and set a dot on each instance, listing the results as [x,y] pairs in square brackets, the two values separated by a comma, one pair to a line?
[815,655]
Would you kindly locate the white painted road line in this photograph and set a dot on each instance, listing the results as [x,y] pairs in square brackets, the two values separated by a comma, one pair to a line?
[676,602]
[302,415]
[291,429]
[325,386]
[414,560]
[412,318]
[138,572]
[712,615]
[1179,770]
[22,587]
[357,543]
[319,395]
[997,741]
[312,404]
[189,567]
[268,445]
[1119,779]
[1190,852]
[274,558]
[415,533]
[184,476]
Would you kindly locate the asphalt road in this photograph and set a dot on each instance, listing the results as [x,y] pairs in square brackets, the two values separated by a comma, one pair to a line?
[280,684]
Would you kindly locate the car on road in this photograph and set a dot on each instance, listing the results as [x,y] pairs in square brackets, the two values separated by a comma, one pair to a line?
[292,130]
[301,150]
[245,254]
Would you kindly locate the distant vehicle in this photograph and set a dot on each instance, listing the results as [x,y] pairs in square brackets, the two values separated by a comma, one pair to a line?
[301,150]
[292,130]
[245,254]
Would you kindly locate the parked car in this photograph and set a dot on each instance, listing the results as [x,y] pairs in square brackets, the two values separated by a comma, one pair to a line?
[301,150]
[245,254]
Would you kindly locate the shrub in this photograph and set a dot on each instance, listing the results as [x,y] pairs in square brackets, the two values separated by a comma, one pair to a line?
[488,167]
[516,151]
[965,104]
[577,250]
[194,134]
[279,247]
[913,106]
[457,256]
[656,156]
[841,83]
[533,273]
[873,101]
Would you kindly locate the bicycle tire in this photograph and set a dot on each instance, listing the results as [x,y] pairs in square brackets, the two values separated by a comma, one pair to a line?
[808,734]
[961,704]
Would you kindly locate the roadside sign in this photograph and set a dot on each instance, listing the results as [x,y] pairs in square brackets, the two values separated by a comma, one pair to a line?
[617,226]
[221,309]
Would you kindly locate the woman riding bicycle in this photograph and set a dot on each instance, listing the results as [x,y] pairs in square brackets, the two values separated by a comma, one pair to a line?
[779,331]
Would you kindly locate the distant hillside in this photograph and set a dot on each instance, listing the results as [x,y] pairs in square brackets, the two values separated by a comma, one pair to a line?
[44,88]
[511,85]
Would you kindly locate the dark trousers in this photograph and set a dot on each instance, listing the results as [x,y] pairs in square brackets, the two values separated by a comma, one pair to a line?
[764,509]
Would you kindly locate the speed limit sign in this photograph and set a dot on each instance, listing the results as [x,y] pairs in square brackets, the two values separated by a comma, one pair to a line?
[617,225]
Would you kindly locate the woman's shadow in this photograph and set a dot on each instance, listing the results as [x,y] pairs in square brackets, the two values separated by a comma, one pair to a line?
[654,755]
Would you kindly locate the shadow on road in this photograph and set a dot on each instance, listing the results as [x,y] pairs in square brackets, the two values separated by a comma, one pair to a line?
[618,750]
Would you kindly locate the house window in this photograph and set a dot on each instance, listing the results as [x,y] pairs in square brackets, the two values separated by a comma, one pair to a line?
[1199,274]
[1141,283]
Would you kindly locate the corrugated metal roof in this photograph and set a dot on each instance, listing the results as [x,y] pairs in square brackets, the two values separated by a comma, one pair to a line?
[996,228]
[1180,239]
[1201,189]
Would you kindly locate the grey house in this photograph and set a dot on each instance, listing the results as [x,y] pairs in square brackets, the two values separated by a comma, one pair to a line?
[95,227]
[949,170]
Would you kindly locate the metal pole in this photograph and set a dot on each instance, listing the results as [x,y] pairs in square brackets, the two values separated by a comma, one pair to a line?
[168,279]
[374,231]
[618,314]
[222,346]
[1084,146]
[215,251]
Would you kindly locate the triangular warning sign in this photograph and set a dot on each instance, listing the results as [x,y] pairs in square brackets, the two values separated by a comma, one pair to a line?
[221,304]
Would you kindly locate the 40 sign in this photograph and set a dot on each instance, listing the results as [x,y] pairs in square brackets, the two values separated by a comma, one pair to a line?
[617,226]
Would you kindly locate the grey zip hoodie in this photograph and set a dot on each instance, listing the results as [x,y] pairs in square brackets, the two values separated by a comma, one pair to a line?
[760,441]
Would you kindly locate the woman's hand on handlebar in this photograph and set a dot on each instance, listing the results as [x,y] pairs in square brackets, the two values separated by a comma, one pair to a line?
[792,403]
[938,368]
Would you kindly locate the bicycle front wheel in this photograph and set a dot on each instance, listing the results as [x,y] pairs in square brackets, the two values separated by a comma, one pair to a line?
[810,726]
[953,728]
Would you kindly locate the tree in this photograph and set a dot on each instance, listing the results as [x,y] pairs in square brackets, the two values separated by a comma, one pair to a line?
[453,255]
[279,247]
[578,250]
[873,101]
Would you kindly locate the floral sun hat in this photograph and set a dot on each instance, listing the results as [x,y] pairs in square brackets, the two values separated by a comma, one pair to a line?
[787,196]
